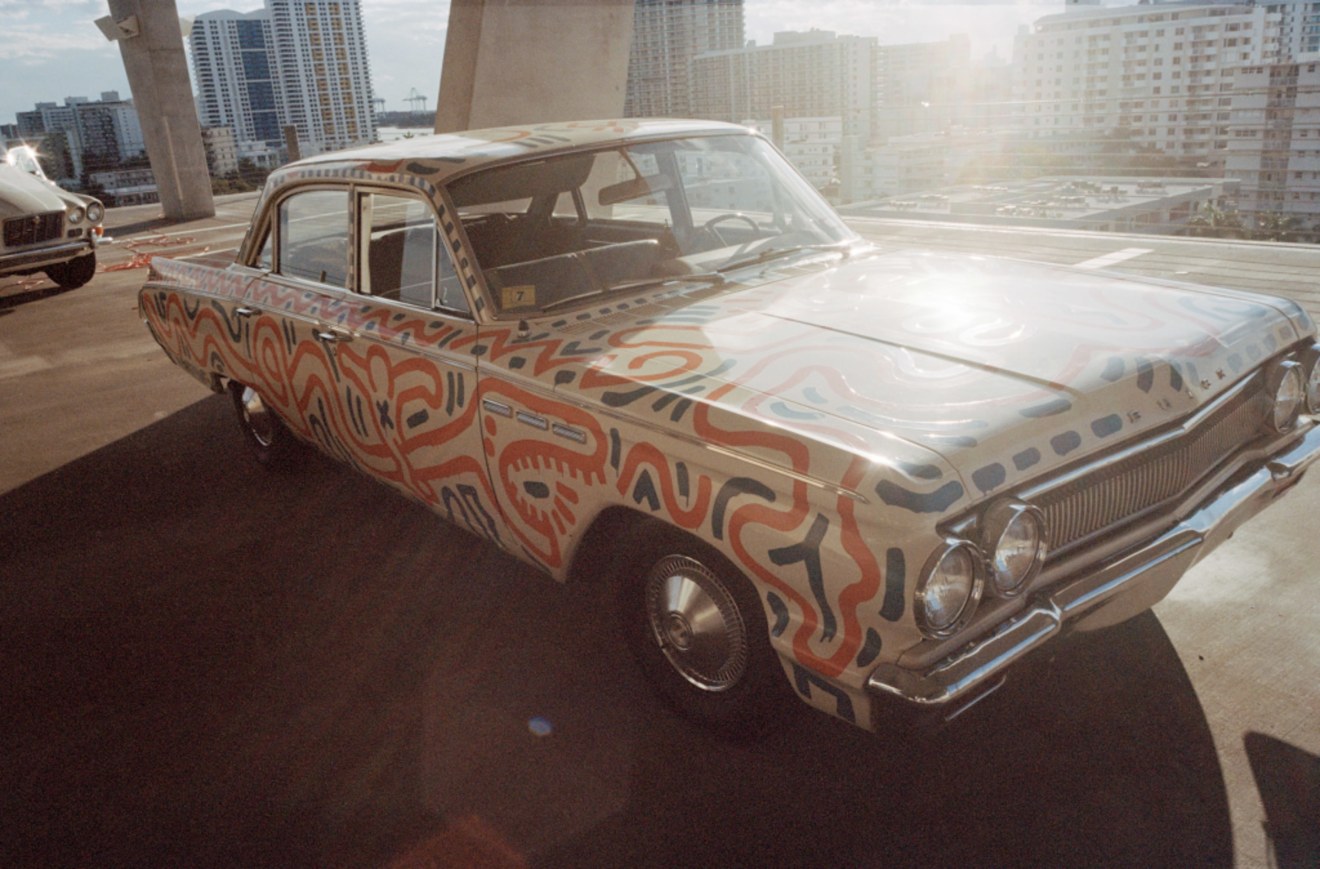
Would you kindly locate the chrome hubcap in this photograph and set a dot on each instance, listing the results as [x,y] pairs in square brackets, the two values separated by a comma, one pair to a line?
[257,417]
[696,623]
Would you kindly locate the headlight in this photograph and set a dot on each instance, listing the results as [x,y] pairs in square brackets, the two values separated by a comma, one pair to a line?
[76,214]
[95,211]
[1013,534]
[949,589]
[1284,386]
[1311,374]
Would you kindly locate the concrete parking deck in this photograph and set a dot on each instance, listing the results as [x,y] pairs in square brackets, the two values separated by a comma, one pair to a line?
[206,664]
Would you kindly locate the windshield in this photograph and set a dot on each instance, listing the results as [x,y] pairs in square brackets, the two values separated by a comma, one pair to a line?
[551,234]
[24,158]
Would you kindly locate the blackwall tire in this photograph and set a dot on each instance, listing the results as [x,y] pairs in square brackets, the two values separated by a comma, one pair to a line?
[74,273]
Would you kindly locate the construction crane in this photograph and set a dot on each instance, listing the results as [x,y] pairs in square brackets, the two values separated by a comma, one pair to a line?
[378,104]
[415,99]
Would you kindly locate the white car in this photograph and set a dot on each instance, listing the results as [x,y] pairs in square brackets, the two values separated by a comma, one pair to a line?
[46,229]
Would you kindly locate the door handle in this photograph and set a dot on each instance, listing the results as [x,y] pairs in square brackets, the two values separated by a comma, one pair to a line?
[331,336]
[245,312]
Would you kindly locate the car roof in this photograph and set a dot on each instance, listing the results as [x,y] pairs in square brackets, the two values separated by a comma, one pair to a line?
[441,156]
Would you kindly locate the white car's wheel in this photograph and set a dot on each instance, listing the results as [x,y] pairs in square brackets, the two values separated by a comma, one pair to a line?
[73,274]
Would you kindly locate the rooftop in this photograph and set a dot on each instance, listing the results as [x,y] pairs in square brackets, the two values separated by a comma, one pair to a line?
[437,157]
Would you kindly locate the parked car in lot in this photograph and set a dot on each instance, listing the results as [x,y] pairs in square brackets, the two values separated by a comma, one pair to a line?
[46,229]
[647,353]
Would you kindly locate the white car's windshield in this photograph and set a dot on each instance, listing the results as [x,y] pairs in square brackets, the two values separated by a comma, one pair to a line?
[550,234]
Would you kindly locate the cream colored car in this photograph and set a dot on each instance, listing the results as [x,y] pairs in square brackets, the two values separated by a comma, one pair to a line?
[647,353]
[45,229]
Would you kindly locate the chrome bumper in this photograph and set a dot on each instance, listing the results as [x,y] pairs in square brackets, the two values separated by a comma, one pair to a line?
[1117,590]
[46,256]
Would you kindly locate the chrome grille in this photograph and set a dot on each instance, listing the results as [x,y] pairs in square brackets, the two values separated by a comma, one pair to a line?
[33,228]
[1132,486]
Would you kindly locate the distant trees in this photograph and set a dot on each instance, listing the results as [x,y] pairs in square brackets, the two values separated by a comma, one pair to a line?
[249,177]
[1213,222]
[1275,226]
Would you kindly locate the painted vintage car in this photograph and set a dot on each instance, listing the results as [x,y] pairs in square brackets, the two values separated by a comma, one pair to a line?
[647,353]
[46,229]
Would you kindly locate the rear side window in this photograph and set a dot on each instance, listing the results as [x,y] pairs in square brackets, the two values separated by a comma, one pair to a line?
[404,259]
[313,236]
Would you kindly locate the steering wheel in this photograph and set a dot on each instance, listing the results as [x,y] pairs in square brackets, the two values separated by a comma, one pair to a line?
[709,226]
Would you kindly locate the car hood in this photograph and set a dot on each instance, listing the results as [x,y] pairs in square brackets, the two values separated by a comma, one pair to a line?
[1005,369]
[21,193]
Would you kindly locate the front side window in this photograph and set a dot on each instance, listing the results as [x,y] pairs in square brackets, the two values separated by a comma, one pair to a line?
[313,237]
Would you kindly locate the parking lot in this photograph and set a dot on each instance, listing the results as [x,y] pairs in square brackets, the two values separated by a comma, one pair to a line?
[209,664]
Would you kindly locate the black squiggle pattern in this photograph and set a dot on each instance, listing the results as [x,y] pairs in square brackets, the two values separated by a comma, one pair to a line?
[918,502]
[735,487]
[808,554]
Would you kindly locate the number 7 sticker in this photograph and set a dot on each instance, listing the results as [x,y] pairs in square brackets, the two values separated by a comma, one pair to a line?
[518,296]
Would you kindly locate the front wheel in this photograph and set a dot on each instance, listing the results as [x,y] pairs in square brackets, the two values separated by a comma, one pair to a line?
[697,629]
[73,274]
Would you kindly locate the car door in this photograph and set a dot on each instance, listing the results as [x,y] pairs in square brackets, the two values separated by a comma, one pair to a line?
[365,344]
[304,262]
[408,378]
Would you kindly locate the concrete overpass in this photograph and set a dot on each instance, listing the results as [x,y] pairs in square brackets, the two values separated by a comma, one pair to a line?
[504,64]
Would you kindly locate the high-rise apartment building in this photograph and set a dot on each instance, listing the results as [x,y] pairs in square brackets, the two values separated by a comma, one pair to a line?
[1299,26]
[296,62]
[321,55]
[1152,75]
[667,35]
[1274,147]
[97,134]
[879,91]
[234,75]
[813,74]
[924,87]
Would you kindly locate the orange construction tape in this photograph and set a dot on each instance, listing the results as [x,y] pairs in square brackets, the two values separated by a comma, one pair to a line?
[142,258]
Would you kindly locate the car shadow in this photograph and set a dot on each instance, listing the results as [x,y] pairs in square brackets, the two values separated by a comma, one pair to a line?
[12,300]
[1288,779]
[207,664]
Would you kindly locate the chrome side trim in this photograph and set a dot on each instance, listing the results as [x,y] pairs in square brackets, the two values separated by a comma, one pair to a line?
[1126,585]
[572,434]
[496,407]
[531,419]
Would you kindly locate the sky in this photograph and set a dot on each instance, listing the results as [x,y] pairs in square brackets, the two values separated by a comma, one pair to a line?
[52,50]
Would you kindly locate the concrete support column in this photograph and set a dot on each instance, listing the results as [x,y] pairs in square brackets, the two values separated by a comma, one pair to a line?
[151,45]
[513,62]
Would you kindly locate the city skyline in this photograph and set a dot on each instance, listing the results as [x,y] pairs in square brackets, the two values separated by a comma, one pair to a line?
[55,50]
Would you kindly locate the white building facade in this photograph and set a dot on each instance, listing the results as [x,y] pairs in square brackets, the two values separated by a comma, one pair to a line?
[1274,148]
[299,63]
[234,75]
[1160,75]
[98,134]
[813,74]
[667,34]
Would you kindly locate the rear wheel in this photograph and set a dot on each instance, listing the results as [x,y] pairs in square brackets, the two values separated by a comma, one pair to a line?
[73,274]
[271,443]
[697,629]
